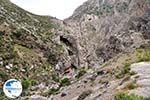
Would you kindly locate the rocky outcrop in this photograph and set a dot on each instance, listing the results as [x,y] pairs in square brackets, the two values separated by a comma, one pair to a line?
[104,28]
[142,78]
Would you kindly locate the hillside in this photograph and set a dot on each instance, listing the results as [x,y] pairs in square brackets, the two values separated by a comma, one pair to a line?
[27,51]
[86,56]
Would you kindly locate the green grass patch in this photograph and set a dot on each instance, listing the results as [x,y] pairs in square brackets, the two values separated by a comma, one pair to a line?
[84,95]
[143,54]
[131,85]
[80,73]
[55,78]
[26,83]
[125,96]
[3,76]
[65,82]
[51,91]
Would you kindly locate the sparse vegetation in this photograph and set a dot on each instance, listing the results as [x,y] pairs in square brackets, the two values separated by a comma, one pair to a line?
[50,92]
[139,55]
[143,54]
[131,85]
[122,72]
[125,96]
[147,0]
[126,68]
[55,78]
[2,95]
[3,76]
[84,95]
[18,33]
[80,73]
[47,36]
[65,82]
[26,83]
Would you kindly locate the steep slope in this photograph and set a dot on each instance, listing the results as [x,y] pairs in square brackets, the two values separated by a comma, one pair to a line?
[27,48]
[104,28]
[48,54]
[116,76]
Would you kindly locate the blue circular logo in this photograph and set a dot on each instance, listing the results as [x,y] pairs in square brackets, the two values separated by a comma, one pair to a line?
[12,88]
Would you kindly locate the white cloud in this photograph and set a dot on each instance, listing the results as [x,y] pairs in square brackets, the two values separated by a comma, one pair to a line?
[56,8]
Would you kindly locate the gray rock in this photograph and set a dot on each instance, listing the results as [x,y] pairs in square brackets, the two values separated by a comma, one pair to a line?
[37,97]
[143,70]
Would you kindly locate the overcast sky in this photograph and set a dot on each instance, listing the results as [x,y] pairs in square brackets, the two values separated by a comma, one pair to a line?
[56,8]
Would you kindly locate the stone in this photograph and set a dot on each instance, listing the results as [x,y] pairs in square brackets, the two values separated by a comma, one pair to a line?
[8,67]
[143,80]
[37,97]
[63,94]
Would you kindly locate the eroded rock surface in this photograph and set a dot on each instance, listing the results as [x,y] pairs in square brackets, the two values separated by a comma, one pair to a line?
[142,78]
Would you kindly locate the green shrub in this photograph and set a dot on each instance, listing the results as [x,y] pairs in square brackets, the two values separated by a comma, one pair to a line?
[2,33]
[27,83]
[84,95]
[19,33]
[145,54]
[145,58]
[3,76]
[2,95]
[147,1]
[51,91]
[65,82]
[131,85]
[55,78]
[15,69]
[124,96]
[126,68]
[80,73]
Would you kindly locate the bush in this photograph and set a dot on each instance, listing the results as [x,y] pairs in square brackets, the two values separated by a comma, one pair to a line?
[3,76]
[19,32]
[80,73]
[124,96]
[145,54]
[84,95]
[131,85]
[27,83]
[119,75]
[126,68]
[65,82]
[145,58]
[2,95]
[55,78]
[51,91]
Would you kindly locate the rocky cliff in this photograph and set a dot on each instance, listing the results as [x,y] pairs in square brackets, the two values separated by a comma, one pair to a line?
[105,28]
[48,54]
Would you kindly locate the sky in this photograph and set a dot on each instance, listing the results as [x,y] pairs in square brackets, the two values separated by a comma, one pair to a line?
[57,8]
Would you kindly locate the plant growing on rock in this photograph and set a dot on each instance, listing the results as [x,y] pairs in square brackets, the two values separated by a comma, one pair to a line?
[51,91]
[65,82]
[26,83]
[125,96]
[80,73]
[84,95]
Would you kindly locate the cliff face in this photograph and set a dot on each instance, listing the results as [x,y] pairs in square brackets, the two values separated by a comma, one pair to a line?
[43,48]
[105,28]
